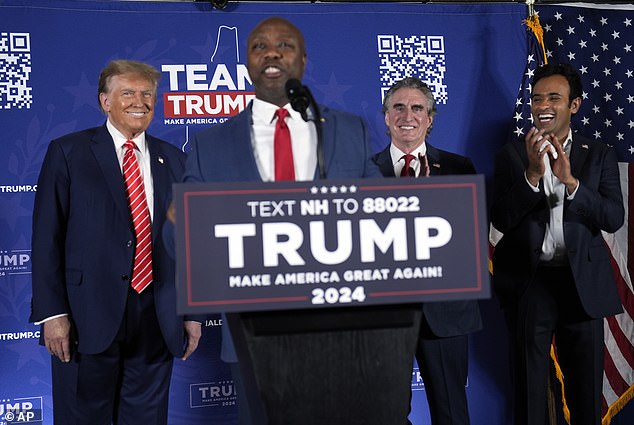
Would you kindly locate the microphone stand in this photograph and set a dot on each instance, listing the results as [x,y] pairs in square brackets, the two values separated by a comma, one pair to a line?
[318,120]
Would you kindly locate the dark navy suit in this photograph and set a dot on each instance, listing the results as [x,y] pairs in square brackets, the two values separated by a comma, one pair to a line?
[83,250]
[224,153]
[442,351]
[569,299]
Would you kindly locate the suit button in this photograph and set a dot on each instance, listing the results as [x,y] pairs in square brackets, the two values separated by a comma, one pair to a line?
[125,277]
[129,244]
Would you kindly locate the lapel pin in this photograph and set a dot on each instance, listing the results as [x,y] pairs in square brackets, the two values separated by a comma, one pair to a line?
[584,146]
[160,159]
[436,165]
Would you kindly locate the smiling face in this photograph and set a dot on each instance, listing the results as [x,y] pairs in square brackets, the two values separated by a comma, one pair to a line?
[275,54]
[129,102]
[407,118]
[552,107]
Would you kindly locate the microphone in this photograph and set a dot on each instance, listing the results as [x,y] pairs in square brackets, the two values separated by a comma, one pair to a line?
[299,96]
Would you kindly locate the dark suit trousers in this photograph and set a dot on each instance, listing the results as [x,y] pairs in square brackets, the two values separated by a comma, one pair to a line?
[128,384]
[550,306]
[443,365]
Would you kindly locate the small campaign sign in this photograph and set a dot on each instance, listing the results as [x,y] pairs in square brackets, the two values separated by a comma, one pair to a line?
[287,245]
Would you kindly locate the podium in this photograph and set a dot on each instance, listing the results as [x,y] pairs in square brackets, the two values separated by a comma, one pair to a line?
[322,284]
[331,366]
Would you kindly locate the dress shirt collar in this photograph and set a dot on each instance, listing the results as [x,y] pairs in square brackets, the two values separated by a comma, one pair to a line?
[265,112]
[120,139]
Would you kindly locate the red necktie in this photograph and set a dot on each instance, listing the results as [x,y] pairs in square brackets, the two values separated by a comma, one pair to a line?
[283,151]
[408,171]
[142,271]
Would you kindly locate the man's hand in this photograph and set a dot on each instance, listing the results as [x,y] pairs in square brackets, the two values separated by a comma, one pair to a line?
[192,332]
[171,213]
[536,168]
[561,167]
[57,337]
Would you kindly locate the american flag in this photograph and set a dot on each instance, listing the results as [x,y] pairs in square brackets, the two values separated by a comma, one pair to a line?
[598,40]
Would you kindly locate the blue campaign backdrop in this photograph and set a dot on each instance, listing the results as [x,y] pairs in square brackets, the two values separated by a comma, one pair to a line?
[51,54]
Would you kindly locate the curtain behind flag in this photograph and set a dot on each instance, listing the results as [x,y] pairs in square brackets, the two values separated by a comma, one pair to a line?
[599,42]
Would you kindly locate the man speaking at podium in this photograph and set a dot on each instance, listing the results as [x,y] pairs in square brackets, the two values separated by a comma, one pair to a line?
[442,349]
[270,141]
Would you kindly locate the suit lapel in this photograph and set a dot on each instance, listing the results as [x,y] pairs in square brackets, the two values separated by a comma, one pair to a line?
[578,155]
[384,161]
[433,160]
[160,180]
[106,157]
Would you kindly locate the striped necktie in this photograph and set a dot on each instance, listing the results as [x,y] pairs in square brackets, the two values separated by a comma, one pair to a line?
[142,270]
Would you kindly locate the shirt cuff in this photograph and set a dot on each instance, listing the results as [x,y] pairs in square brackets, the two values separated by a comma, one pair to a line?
[50,318]
[535,188]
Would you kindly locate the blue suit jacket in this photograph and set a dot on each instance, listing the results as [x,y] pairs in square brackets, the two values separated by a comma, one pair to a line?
[448,318]
[83,239]
[522,214]
[224,153]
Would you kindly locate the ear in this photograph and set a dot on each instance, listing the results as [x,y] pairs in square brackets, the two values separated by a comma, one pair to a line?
[575,105]
[105,102]
[386,117]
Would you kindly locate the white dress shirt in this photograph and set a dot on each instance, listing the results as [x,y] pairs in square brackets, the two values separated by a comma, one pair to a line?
[143,158]
[303,141]
[398,161]
[554,245]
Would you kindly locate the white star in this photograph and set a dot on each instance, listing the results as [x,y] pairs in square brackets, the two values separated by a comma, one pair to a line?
[518,102]
[333,189]
[629,73]
[631,149]
[604,46]
[595,57]
[619,136]
[597,134]
[314,190]
[324,189]
[627,48]
[571,56]
[518,116]
[343,189]
[608,123]
[604,21]
[547,28]
[584,95]
[518,131]
[585,120]
[615,35]
[560,42]
[619,111]
[595,84]
[583,44]
[607,97]
[583,69]
[593,33]
[353,189]
[558,16]
[627,22]
[549,53]
[616,60]
[530,59]
[606,71]
[571,30]
[618,85]
[630,99]
[580,18]
[630,124]
[596,109]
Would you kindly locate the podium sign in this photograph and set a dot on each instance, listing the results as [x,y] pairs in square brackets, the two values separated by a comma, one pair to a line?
[294,245]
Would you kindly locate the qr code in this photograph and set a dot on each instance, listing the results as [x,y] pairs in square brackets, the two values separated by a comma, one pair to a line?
[421,56]
[15,69]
